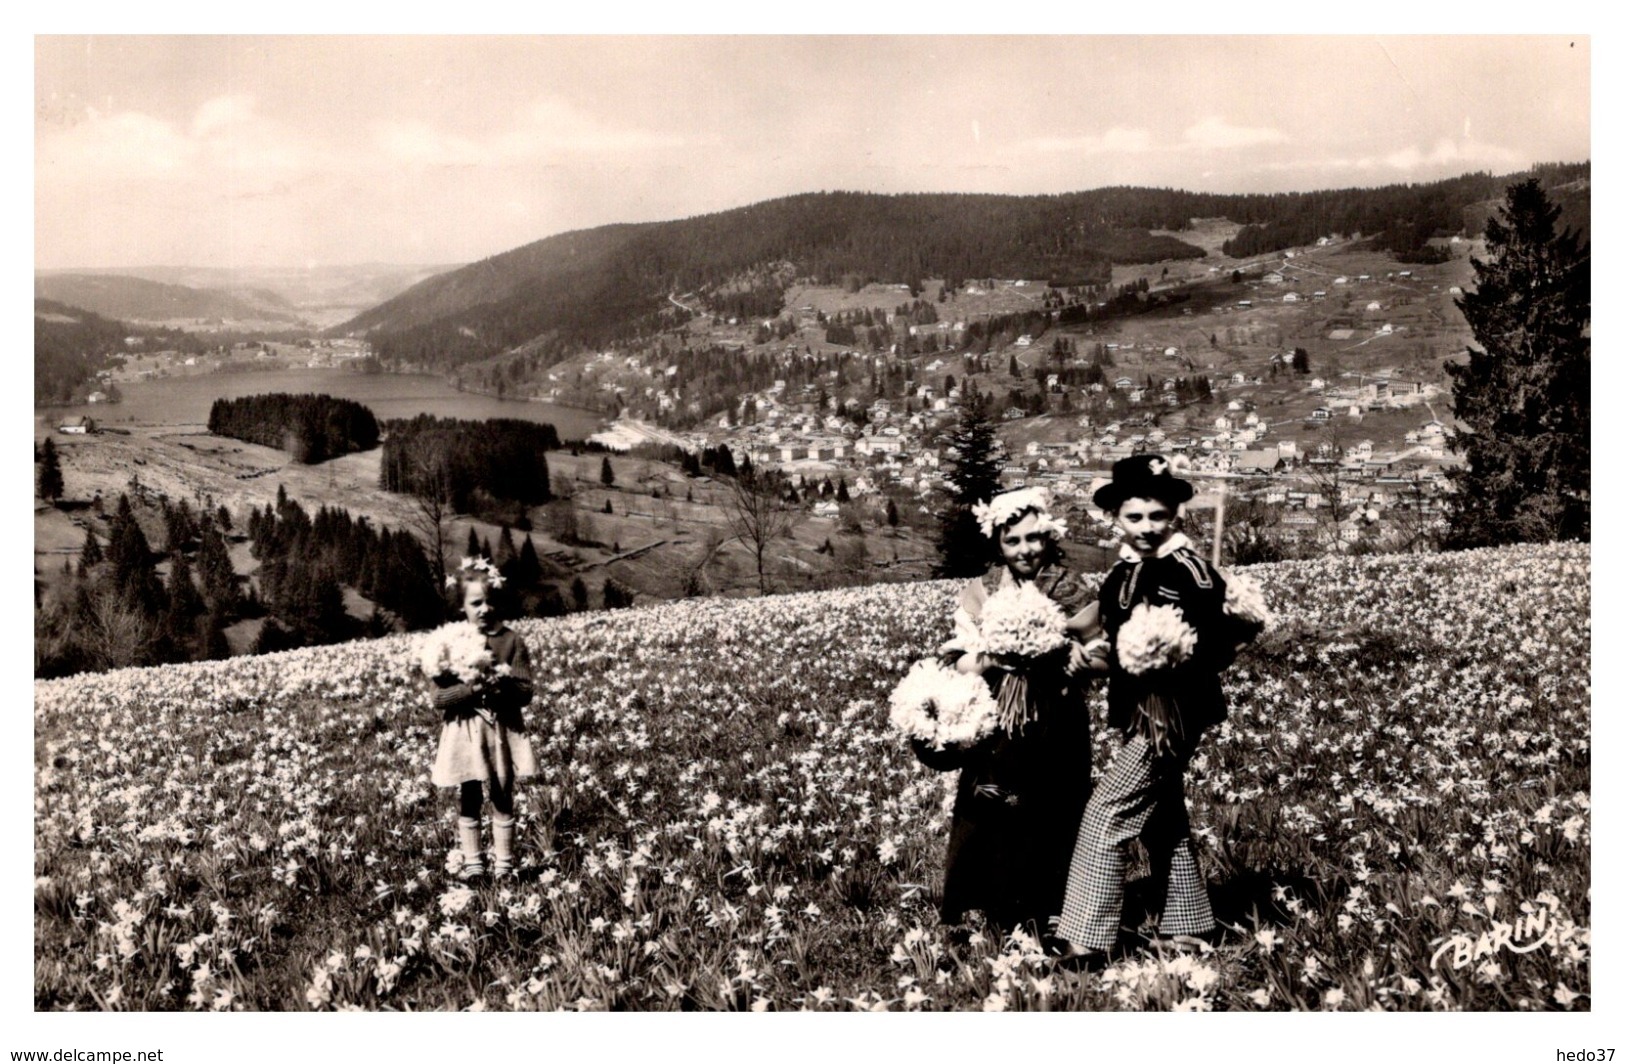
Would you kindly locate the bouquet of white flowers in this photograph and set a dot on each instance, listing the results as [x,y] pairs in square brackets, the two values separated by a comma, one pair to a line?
[1154,637]
[942,706]
[1020,621]
[458,649]
[1244,600]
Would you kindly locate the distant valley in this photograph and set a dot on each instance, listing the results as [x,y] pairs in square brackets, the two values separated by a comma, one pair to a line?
[203,297]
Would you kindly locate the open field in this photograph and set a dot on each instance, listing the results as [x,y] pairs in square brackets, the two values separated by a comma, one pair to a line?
[185,462]
[1396,816]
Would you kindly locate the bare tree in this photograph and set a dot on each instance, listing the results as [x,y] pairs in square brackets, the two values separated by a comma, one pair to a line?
[757,517]
[432,510]
[113,634]
[1329,479]
[1252,530]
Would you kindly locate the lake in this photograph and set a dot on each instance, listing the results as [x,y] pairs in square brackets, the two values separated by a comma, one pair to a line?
[186,400]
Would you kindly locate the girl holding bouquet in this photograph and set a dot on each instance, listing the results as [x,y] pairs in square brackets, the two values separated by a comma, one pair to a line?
[1164,612]
[1023,782]
[480,679]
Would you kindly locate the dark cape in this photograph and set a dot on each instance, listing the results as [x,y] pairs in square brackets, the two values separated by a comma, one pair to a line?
[1020,795]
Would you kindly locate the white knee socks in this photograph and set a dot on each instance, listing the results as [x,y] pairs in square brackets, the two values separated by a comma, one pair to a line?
[501,845]
[468,834]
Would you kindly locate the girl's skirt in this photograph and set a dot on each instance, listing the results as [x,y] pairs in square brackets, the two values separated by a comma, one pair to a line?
[476,750]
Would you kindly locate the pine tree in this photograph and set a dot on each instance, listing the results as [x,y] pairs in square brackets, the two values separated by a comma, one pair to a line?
[606,473]
[90,555]
[214,567]
[1524,398]
[974,462]
[215,645]
[50,472]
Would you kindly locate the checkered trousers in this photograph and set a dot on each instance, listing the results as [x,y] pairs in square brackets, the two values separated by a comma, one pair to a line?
[1141,797]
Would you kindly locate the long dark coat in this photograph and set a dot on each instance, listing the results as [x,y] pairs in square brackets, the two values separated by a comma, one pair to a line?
[1020,796]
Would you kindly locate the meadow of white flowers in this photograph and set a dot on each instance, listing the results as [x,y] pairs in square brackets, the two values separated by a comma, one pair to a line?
[1396,816]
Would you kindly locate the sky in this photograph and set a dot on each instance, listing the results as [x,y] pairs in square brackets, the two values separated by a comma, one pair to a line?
[295,151]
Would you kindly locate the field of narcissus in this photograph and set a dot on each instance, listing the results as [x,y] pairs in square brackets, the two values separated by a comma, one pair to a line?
[1396,816]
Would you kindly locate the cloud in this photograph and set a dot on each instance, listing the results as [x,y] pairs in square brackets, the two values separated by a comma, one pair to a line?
[1208,134]
[1446,154]
[224,136]
[548,128]
[121,145]
[222,114]
[1215,132]
[418,142]
[1115,141]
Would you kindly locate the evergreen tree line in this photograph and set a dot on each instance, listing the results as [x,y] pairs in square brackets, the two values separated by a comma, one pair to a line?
[305,562]
[708,461]
[1400,218]
[527,587]
[70,347]
[116,611]
[311,428]
[457,460]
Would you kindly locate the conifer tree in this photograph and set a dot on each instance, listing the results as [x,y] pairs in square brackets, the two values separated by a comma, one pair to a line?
[90,555]
[50,472]
[1523,396]
[974,462]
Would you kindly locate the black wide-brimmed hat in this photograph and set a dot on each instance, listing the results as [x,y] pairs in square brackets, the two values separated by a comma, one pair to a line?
[1143,476]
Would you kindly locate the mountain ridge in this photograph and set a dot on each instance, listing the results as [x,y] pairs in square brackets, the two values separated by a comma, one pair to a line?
[584,288]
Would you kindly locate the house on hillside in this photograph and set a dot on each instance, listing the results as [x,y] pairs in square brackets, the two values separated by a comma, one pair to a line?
[78,426]
[1264,462]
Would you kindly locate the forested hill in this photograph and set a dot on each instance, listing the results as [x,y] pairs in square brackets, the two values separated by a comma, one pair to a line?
[591,287]
[70,345]
[116,296]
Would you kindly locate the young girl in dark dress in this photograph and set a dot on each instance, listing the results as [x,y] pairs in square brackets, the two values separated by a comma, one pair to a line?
[1022,789]
[484,745]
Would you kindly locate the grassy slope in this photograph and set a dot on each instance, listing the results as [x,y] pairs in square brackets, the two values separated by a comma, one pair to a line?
[725,822]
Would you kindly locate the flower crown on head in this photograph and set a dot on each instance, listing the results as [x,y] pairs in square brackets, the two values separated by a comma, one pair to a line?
[1008,505]
[483,566]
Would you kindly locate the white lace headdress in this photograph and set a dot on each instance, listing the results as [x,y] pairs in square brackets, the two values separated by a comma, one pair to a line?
[1006,506]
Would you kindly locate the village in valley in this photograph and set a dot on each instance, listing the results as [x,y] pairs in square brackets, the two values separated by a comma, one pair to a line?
[1343,448]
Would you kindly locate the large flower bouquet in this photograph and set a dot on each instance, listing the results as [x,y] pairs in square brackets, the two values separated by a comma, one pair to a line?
[456,649]
[1021,624]
[942,707]
[1244,605]
[1154,637]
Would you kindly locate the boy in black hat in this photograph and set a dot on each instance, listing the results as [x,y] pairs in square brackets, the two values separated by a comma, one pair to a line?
[1163,709]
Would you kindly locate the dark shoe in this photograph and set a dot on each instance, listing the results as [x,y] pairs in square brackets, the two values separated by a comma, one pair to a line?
[1204,942]
[1087,960]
